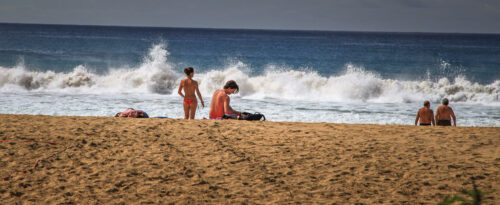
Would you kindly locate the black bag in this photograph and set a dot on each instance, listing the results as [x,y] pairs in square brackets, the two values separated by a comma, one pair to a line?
[252,117]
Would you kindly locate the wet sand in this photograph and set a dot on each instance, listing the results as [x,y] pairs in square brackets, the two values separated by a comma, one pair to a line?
[105,160]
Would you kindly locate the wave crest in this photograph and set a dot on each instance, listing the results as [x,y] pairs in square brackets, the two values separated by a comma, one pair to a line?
[354,85]
[154,75]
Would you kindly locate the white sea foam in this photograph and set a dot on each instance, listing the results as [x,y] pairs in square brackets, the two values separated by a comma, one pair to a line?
[282,94]
[155,75]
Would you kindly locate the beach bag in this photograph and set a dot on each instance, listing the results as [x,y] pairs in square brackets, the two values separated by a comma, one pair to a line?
[252,117]
[142,114]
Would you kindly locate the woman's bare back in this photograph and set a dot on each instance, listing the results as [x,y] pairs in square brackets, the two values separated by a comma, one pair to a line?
[189,86]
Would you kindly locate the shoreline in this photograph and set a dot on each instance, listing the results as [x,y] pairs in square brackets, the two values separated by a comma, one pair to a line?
[198,119]
[107,160]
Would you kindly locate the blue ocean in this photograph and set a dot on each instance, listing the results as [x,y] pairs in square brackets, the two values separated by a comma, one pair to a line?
[303,76]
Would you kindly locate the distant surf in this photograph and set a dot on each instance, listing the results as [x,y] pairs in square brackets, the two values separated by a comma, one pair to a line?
[157,76]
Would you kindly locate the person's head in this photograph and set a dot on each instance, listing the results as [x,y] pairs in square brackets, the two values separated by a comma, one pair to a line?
[445,101]
[427,103]
[231,87]
[189,71]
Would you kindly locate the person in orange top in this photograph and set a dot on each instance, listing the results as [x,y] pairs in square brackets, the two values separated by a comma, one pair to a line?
[443,114]
[189,86]
[426,115]
[219,106]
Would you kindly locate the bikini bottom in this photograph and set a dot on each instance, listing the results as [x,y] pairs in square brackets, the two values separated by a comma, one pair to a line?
[189,101]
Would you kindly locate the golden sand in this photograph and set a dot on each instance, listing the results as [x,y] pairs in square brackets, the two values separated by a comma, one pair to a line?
[104,160]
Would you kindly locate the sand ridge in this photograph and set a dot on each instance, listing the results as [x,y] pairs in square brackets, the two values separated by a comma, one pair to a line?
[105,160]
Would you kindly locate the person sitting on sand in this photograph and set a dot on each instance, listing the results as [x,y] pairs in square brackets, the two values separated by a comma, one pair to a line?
[426,115]
[219,106]
[443,114]
[190,86]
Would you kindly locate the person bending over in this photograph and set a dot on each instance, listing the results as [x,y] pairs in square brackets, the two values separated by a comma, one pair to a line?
[426,115]
[190,86]
[220,107]
[443,114]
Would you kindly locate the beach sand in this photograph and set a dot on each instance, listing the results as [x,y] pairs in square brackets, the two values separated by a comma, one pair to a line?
[105,160]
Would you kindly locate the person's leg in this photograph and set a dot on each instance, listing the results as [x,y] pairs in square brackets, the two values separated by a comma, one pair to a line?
[192,109]
[186,110]
[230,116]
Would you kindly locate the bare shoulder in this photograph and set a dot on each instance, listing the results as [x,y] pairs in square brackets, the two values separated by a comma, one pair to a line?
[223,94]
[218,93]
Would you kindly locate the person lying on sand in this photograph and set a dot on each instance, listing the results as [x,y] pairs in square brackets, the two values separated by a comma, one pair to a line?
[426,115]
[443,114]
[190,86]
[219,106]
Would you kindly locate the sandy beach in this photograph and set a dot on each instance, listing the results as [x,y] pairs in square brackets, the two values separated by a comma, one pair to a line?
[105,160]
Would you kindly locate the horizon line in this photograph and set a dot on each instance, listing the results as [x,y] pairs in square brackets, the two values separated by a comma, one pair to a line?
[256,29]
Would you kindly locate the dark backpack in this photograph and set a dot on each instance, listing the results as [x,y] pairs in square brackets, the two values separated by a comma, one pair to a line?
[252,117]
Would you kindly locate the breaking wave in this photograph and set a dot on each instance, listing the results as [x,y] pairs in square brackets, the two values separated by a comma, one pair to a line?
[156,75]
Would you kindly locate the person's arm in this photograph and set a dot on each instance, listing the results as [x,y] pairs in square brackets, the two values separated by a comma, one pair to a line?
[454,118]
[432,120]
[227,108]
[416,119]
[199,95]
[180,89]
[437,114]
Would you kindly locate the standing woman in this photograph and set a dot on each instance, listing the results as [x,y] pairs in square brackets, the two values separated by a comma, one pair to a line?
[189,85]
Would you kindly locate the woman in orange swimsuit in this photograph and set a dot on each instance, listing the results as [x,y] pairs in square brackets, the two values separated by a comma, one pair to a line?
[189,86]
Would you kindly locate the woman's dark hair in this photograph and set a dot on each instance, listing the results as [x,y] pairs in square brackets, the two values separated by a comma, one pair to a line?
[232,84]
[188,70]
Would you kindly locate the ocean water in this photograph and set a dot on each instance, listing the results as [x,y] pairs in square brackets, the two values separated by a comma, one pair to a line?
[305,76]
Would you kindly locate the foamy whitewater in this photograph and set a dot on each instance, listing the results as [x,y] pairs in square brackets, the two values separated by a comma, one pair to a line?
[281,93]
